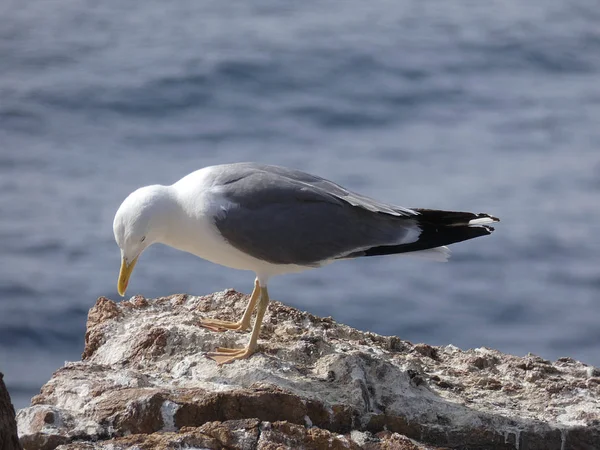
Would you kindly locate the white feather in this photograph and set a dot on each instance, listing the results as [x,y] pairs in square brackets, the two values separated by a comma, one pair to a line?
[481,221]
[437,254]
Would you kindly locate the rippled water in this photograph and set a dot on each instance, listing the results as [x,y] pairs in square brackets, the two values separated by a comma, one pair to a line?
[482,106]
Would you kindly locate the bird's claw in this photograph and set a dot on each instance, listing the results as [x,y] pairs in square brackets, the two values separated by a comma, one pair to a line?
[222,325]
[224,355]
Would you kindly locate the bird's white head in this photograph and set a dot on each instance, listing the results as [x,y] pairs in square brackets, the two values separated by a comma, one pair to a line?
[140,222]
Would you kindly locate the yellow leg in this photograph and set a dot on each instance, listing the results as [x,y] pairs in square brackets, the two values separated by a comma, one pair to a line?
[241,325]
[225,355]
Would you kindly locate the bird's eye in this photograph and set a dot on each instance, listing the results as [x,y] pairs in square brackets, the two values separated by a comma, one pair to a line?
[143,238]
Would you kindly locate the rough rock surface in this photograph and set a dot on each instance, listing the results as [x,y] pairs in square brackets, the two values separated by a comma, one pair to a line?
[144,382]
[8,426]
[253,434]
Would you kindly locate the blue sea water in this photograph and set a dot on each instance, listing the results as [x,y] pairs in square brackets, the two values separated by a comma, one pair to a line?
[480,106]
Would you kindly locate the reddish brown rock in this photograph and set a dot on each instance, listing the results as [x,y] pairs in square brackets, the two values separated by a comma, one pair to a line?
[254,435]
[103,310]
[426,350]
[8,425]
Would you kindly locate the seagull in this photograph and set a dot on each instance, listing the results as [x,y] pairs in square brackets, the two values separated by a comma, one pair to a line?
[272,220]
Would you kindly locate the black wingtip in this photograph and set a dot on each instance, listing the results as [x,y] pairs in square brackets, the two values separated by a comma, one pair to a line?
[488,228]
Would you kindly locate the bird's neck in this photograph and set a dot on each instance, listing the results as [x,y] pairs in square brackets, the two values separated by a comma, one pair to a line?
[189,223]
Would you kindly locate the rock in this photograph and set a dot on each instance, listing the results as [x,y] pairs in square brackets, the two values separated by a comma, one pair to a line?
[144,382]
[250,434]
[8,426]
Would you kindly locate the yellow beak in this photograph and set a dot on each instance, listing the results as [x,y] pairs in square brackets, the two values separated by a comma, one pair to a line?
[124,275]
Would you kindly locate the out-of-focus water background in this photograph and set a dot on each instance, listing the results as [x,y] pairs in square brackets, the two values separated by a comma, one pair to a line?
[480,106]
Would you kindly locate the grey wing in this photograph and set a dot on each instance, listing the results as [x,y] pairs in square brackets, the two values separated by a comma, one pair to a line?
[327,188]
[286,221]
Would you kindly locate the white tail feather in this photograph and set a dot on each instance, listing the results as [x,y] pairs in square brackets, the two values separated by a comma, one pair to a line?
[482,221]
[437,254]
